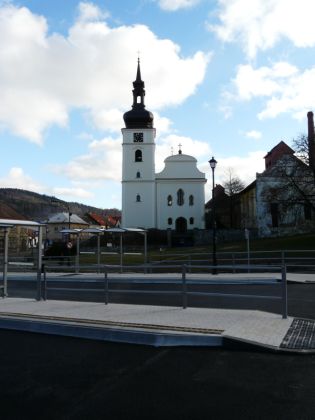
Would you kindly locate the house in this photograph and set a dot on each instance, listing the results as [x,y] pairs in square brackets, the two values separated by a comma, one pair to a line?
[59,221]
[113,221]
[95,220]
[281,200]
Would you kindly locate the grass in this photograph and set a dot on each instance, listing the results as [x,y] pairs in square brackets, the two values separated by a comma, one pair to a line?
[296,242]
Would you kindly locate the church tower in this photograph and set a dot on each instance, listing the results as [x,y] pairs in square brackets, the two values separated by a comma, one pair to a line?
[138,169]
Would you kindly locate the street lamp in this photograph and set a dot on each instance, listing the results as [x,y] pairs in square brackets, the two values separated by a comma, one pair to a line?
[213,164]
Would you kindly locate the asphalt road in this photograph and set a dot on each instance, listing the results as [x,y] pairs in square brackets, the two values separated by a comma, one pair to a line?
[48,377]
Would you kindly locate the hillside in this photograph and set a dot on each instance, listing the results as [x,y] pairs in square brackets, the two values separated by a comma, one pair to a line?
[40,206]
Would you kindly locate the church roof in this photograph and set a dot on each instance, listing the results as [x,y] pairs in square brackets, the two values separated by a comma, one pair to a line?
[180,158]
[138,116]
[180,166]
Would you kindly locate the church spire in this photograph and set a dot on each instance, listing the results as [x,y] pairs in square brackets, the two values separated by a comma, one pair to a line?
[138,116]
[138,88]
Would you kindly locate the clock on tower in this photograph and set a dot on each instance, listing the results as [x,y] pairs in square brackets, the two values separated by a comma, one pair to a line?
[138,137]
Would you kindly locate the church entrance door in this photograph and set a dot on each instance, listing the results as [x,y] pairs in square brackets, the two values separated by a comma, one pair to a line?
[181,224]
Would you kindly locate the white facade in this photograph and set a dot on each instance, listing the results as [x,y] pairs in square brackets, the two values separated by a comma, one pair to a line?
[171,199]
[138,178]
[180,193]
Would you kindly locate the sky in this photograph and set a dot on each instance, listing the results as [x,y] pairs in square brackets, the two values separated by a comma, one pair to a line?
[223,78]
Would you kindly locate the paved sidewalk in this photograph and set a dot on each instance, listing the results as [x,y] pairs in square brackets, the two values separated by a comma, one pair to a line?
[157,325]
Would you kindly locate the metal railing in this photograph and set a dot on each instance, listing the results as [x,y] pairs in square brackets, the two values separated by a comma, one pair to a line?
[182,280]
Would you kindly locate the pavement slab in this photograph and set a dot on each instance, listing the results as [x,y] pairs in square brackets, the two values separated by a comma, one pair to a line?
[257,327]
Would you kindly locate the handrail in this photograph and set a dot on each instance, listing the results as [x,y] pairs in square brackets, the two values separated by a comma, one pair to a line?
[42,285]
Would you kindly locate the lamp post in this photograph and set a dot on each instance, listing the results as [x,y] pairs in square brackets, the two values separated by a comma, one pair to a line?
[213,164]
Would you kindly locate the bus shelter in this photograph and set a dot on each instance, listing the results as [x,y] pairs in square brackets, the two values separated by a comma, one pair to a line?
[6,225]
[100,231]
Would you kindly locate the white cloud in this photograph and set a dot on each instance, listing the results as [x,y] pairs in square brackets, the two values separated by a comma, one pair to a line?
[72,192]
[173,5]
[43,77]
[260,24]
[104,158]
[16,178]
[253,134]
[286,89]
[244,167]
[90,12]
[102,162]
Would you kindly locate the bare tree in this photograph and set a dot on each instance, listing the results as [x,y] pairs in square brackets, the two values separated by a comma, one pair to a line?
[301,147]
[232,184]
[287,190]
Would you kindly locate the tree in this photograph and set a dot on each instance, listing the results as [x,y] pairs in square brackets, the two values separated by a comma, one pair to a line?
[232,184]
[301,147]
[286,193]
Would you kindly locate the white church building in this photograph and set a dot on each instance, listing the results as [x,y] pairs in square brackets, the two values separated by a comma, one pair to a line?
[172,199]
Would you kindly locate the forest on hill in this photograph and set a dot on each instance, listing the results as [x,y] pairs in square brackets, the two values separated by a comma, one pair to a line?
[39,207]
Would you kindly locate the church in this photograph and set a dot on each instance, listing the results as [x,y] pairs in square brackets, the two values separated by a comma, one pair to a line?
[171,199]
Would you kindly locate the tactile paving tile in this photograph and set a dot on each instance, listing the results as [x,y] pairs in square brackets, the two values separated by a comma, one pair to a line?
[300,336]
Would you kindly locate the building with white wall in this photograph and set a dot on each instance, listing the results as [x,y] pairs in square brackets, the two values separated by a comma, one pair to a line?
[171,199]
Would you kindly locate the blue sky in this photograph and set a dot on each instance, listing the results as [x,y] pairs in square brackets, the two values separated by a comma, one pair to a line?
[224,78]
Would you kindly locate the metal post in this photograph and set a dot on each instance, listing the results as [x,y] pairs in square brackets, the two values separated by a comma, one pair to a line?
[98,252]
[184,287]
[247,246]
[282,258]
[39,262]
[145,252]
[121,252]
[6,262]
[106,286]
[284,292]
[77,258]
[45,281]
[214,228]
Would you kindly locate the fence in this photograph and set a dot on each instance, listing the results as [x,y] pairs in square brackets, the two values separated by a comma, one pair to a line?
[303,260]
[182,271]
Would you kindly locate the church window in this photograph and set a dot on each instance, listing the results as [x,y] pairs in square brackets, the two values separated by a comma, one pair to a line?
[180,197]
[138,156]
[191,220]
[169,200]
[138,198]
[169,221]
[138,175]
[191,200]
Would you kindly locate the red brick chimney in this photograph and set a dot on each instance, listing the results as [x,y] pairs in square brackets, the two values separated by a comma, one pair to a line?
[311,139]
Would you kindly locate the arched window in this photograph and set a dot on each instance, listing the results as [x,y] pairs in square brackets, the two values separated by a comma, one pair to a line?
[169,221]
[180,197]
[138,198]
[191,200]
[191,220]
[138,175]
[138,156]
[169,200]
